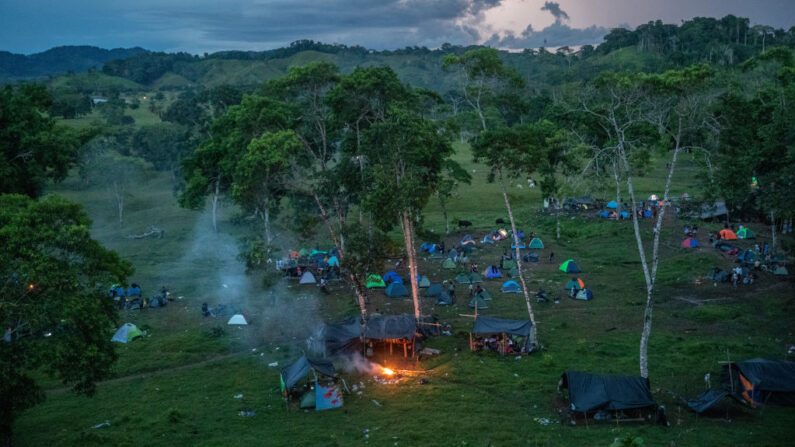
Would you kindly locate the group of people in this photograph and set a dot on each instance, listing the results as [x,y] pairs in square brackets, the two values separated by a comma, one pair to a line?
[743,275]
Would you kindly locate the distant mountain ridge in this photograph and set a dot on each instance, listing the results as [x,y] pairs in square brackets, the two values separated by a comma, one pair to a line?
[59,60]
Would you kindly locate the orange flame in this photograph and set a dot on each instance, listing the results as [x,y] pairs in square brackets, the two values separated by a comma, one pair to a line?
[388,371]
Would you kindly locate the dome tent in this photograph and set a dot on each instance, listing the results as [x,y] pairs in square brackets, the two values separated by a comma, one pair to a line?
[511,287]
[569,266]
[238,320]
[690,243]
[375,281]
[127,333]
[396,290]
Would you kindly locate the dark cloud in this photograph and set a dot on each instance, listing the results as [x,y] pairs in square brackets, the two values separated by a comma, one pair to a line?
[554,9]
[555,35]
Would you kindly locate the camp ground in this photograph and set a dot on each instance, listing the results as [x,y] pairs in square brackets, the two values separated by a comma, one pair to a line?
[507,337]
[320,391]
[382,333]
[569,266]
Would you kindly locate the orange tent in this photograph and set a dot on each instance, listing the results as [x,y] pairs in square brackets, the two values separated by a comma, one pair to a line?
[727,234]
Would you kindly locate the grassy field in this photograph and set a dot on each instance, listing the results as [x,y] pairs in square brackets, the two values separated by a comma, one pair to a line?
[176,386]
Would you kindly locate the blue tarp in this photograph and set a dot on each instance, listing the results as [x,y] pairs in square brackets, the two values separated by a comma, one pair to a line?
[612,204]
[392,276]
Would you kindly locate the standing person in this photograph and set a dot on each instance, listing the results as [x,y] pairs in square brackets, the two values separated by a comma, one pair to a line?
[471,291]
[551,256]
[451,291]
[756,248]
[766,249]
[734,278]
[323,286]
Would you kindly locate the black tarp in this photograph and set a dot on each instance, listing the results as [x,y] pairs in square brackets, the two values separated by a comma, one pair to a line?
[588,392]
[341,337]
[490,325]
[293,373]
[773,381]
[706,400]
[384,327]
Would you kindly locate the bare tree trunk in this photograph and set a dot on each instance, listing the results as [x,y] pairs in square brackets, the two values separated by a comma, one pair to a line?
[773,231]
[408,238]
[618,190]
[444,213]
[534,331]
[118,192]
[215,204]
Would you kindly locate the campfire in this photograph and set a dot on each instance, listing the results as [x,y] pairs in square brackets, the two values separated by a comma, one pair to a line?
[387,372]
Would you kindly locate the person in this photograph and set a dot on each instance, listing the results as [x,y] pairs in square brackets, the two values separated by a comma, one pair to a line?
[322,285]
[734,278]
[7,336]
[551,256]
[694,231]
[451,291]
[711,238]
[756,248]
[541,296]
[205,310]
[687,230]
[471,290]
[473,268]
[766,249]
[478,290]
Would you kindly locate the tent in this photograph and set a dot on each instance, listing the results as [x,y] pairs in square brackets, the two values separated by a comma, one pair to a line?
[530,257]
[444,299]
[436,254]
[484,294]
[689,243]
[134,290]
[375,281]
[514,273]
[467,240]
[463,278]
[434,289]
[426,246]
[392,276]
[452,254]
[448,264]
[508,264]
[780,270]
[511,287]
[705,400]
[333,262]
[307,278]
[718,275]
[475,278]
[624,215]
[584,294]
[238,320]
[127,333]
[745,233]
[493,272]
[727,234]
[341,337]
[293,373]
[478,301]
[612,204]
[396,290]
[747,257]
[575,283]
[570,266]
[491,325]
[521,246]
[304,252]
[759,381]
[424,281]
[590,392]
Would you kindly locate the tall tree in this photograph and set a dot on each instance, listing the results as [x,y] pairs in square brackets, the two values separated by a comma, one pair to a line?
[117,173]
[53,301]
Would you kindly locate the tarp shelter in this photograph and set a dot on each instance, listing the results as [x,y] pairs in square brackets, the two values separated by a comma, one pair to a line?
[689,243]
[490,325]
[479,302]
[584,294]
[434,289]
[760,381]
[530,257]
[127,333]
[341,337]
[307,278]
[293,373]
[392,329]
[705,400]
[448,264]
[424,281]
[745,233]
[576,283]
[238,320]
[521,246]
[590,392]
[396,290]
[375,281]
[333,262]
[780,270]
[727,235]
[134,291]
[508,264]
[493,272]
[511,287]
[612,204]
[570,266]
[392,276]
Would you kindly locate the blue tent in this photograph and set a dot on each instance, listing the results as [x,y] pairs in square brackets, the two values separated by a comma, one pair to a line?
[604,214]
[612,204]
[646,213]
[511,287]
[493,272]
[426,246]
[396,290]
[391,276]
[134,291]
[333,262]
[624,215]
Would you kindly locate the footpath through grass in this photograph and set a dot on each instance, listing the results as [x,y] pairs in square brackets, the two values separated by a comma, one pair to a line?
[181,378]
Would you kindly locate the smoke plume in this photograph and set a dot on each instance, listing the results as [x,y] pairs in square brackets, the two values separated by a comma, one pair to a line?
[554,9]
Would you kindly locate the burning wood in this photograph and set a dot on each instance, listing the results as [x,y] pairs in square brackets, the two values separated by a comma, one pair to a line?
[387,371]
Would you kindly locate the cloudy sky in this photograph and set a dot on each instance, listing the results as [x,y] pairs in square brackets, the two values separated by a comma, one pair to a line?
[196,26]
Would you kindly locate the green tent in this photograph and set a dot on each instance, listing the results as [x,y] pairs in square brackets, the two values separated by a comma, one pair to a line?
[127,333]
[781,270]
[448,264]
[375,281]
[484,295]
[463,278]
[746,233]
[570,267]
[396,290]
[304,252]
[536,243]
[474,278]
[514,273]
[508,264]
[425,282]
[478,301]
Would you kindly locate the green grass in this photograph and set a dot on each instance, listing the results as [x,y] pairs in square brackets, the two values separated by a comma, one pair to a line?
[175,386]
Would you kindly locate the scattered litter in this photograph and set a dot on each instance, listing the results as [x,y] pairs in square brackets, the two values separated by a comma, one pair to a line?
[277,348]
[447,333]
[358,393]
[237,396]
[103,424]
[273,364]
[376,402]
[515,375]
[355,387]
[253,349]
[430,351]
[518,357]
[247,413]
[262,354]
[542,421]
[180,297]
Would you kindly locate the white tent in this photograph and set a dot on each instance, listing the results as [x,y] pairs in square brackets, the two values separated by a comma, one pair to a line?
[127,333]
[307,278]
[238,319]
